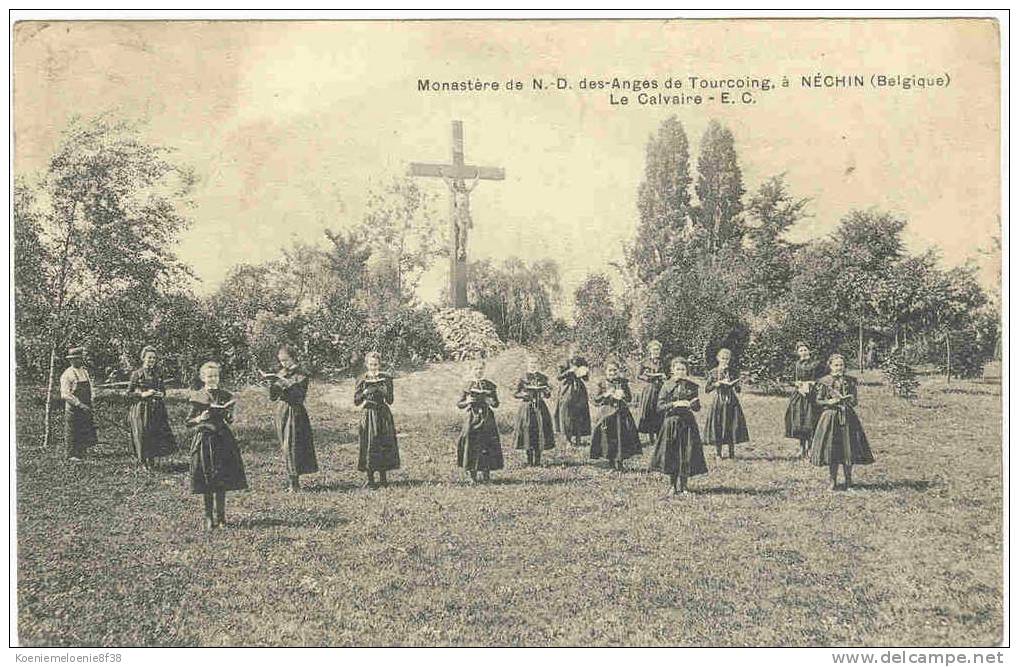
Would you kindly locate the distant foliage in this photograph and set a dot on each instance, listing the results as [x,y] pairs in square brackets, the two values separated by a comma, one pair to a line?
[466,333]
[518,298]
[602,327]
[94,242]
[969,355]
[900,375]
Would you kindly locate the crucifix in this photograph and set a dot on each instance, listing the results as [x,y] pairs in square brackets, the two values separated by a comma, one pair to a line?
[461,179]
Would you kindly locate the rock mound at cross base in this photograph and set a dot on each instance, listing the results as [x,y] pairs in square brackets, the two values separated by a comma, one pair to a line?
[466,333]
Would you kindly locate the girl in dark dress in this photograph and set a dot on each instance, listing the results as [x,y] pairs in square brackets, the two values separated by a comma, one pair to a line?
[802,413]
[839,437]
[216,465]
[649,420]
[572,412]
[678,451]
[615,434]
[533,431]
[479,447]
[150,423]
[725,424]
[288,389]
[378,451]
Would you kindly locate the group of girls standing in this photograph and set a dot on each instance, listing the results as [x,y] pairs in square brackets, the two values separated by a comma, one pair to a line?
[665,407]
[820,415]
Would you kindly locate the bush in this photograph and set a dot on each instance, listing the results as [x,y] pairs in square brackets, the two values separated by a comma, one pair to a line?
[900,375]
[466,333]
[968,357]
[404,336]
[765,361]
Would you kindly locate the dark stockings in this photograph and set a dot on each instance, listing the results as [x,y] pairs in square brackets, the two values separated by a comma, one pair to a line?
[847,470]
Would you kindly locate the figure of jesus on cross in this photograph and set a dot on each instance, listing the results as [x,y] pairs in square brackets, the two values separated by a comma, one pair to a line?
[461,179]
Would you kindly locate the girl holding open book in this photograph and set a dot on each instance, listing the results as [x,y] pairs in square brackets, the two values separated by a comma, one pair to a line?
[150,423]
[652,374]
[533,431]
[288,388]
[479,447]
[839,438]
[572,411]
[615,434]
[725,424]
[216,465]
[802,412]
[678,450]
[378,451]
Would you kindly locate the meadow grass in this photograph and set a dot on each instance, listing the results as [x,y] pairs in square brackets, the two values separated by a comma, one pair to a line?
[762,553]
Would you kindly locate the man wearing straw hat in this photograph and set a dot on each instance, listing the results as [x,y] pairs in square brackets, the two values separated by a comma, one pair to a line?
[76,390]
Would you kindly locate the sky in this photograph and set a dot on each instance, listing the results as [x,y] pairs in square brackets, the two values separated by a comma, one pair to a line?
[288,124]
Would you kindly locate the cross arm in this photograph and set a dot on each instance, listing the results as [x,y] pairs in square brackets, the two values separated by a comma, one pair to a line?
[465,172]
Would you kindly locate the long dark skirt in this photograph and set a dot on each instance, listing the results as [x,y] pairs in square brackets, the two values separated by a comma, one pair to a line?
[649,420]
[533,428]
[725,423]
[216,463]
[378,450]
[678,450]
[572,411]
[615,436]
[150,430]
[479,447]
[293,430]
[801,416]
[79,430]
[839,439]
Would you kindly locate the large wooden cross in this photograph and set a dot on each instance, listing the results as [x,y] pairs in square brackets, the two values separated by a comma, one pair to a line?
[461,179]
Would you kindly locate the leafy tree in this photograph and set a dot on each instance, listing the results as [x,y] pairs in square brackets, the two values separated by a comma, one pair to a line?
[31,299]
[114,207]
[719,189]
[771,212]
[517,298]
[601,328]
[401,228]
[663,202]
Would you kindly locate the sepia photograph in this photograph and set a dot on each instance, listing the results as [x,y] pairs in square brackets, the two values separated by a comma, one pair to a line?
[464,332]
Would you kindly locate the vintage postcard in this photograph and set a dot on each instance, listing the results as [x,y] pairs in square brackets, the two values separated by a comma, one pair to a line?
[508,333]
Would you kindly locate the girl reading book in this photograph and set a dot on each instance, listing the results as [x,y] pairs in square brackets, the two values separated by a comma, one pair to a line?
[533,432]
[802,412]
[725,424]
[615,434]
[479,448]
[216,465]
[572,412]
[288,388]
[378,451]
[652,375]
[150,424]
[839,438]
[678,451]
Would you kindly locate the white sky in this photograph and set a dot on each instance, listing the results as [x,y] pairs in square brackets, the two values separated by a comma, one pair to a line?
[288,123]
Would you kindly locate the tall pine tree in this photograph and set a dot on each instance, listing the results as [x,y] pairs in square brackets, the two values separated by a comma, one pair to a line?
[719,189]
[663,201]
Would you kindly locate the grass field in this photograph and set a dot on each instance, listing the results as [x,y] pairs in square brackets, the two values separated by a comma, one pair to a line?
[570,554]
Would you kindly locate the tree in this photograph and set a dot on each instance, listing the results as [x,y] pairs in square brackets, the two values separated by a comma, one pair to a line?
[771,212]
[115,206]
[517,298]
[31,300]
[403,232]
[601,327]
[719,189]
[663,203]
